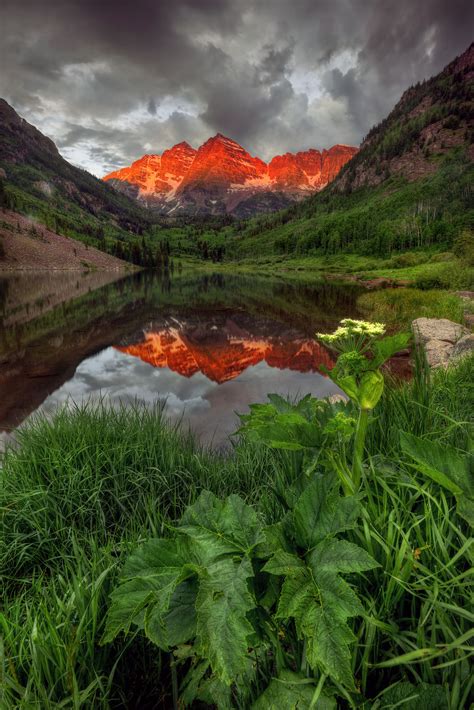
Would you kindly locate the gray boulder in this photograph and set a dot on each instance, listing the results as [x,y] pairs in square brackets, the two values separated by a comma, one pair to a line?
[443,341]
[438,352]
[426,329]
[464,346]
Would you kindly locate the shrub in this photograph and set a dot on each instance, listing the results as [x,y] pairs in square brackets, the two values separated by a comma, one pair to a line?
[409,259]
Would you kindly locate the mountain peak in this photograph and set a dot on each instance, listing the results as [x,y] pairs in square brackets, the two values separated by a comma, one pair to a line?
[221,139]
[221,174]
[184,145]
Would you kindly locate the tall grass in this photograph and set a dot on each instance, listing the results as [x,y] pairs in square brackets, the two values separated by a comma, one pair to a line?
[103,474]
[418,627]
[399,307]
[438,404]
[76,494]
[80,490]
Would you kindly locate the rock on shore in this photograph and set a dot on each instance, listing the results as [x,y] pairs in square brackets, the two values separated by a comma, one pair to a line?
[444,341]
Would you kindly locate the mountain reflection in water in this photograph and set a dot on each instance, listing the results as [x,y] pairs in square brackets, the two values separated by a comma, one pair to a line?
[223,347]
[208,345]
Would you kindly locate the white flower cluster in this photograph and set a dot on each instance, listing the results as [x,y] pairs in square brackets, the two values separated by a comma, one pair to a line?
[350,327]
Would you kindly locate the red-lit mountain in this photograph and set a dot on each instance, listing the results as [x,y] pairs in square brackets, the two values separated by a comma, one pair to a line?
[224,354]
[221,176]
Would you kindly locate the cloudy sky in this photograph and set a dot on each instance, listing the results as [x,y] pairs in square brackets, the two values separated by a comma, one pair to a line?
[110,81]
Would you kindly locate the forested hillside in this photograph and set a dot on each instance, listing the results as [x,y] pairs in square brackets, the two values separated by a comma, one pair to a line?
[36,180]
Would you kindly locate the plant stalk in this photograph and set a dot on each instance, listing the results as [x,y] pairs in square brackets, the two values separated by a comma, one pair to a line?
[359,445]
[318,690]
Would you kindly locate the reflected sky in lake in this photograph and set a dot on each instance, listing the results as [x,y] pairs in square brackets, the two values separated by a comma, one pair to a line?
[206,406]
[208,345]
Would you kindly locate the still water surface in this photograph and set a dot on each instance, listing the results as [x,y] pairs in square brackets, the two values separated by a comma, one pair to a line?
[207,345]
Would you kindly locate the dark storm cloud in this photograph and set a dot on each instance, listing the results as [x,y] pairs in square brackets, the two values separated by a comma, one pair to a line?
[112,80]
[152,107]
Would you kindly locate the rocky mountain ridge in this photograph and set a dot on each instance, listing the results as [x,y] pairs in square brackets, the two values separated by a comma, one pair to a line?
[221,176]
[430,120]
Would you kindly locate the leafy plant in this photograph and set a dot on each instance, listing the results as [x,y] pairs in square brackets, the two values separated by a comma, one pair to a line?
[225,590]
[62,531]
[362,351]
[293,691]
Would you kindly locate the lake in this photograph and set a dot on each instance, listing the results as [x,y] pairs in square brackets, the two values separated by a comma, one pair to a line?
[206,345]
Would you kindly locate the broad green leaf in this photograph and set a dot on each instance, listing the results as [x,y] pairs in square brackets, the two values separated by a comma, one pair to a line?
[291,431]
[157,556]
[348,384]
[179,621]
[335,593]
[370,389]
[284,563]
[407,696]
[219,527]
[284,425]
[388,346]
[329,558]
[127,602]
[222,605]
[321,511]
[327,644]
[320,605]
[298,593]
[274,538]
[445,465]
[320,601]
[282,405]
[150,577]
[292,691]
[340,556]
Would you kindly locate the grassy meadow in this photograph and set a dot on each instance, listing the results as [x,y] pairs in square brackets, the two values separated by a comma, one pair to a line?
[80,492]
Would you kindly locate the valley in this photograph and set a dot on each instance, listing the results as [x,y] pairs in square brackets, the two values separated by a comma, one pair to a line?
[236,394]
[408,188]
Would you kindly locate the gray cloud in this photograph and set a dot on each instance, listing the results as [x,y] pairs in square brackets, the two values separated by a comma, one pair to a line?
[109,81]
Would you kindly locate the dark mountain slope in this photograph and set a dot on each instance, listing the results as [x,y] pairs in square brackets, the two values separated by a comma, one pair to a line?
[38,181]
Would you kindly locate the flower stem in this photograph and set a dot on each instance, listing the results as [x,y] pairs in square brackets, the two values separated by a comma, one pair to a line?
[359,444]
[318,690]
